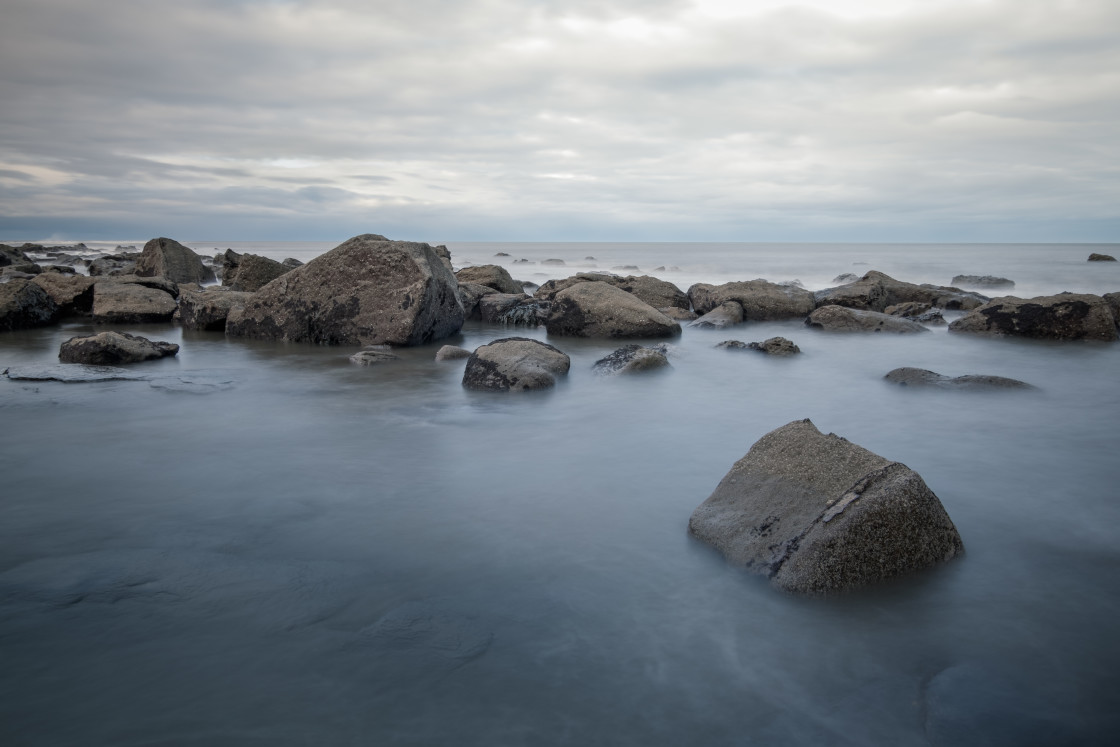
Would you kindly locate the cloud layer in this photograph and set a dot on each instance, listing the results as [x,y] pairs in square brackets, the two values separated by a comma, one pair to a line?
[506,119]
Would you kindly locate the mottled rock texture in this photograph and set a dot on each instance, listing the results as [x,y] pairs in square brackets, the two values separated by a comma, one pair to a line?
[843,319]
[727,314]
[875,291]
[168,258]
[631,359]
[23,305]
[596,309]
[920,377]
[778,346]
[113,349]
[657,293]
[1067,316]
[250,272]
[761,300]
[131,303]
[492,276]
[208,309]
[515,364]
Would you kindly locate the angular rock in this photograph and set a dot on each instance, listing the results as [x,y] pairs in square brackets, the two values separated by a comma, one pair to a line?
[779,346]
[761,300]
[292,262]
[1113,301]
[451,353]
[733,345]
[513,309]
[368,290]
[921,377]
[916,311]
[72,293]
[843,319]
[515,364]
[1067,316]
[372,356]
[678,314]
[631,359]
[470,294]
[10,255]
[168,258]
[818,514]
[113,349]
[982,281]
[131,303]
[444,255]
[875,291]
[492,276]
[657,293]
[727,314]
[24,304]
[596,309]
[208,309]
[1094,257]
[251,272]
[117,264]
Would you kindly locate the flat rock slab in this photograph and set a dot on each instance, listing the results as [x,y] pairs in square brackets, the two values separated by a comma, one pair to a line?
[1066,316]
[818,514]
[921,377]
[844,319]
[515,364]
[131,303]
[760,300]
[71,373]
[113,349]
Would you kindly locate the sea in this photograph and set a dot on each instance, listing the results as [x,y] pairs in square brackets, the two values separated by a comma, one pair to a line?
[260,543]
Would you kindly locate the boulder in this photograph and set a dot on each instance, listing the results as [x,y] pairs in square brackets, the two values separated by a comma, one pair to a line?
[169,259]
[470,294]
[631,359]
[10,255]
[916,311]
[367,290]
[982,281]
[1113,301]
[845,278]
[920,377]
[596,309]
[1094,257]
[657,293]
[72,293]
[292,263]
[113,349]
[251,272]
[131,303]
[875,291]
[843,319]
[817,514]
[779,346]
[451,353]
[208,309]
[156,283]
[733,345]
[24,304]
[513,308]
[444,255]
[678,314]
[373,355]
[1067,316]
[492,276]
[117,264]
[59,269]
[761,300]
[515,364]
[727,314]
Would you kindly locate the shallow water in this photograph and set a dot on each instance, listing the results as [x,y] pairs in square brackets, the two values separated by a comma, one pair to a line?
[266,544]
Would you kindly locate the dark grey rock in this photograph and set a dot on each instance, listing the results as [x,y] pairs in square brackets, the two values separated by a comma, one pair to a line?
[875,291]
[631,359]
[131,303]
[208,309]
[843,319]
[168,258]
[25,304]
[1094,257]
[982,281]
[292,262]
[733,345]
[845,278]
[818,514]
[470,295]
[515,364]
[119,264]
[71,373]
[778,346]
[1067,316]
[492,276]
[72,293]
[373,355]
[10,255]
[251,272]
[113,349]
[595,309]
[513,309]
[921,377]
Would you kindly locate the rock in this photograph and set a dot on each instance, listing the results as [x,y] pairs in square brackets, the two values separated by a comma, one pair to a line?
[452,352]
[130,303]
[678,314]
[444,255]
[527,286]
[726,314]
[922,377]
[1113,301]
[25,304]
[842,319]
[251,272]
[368,290]
[71,373]
[470,295]
[779,346]
[59,269]
[657,293]
[595,309]
[225,263]
[916,311]
[513,308]
[292,262]
[501,254]
[553,262]
[875,291]
[22,268]
[156,283]
[118,264]
[72,293]
[209,309]
[845,278]
[761,300]
[515,364]
[169,259]
[631,359]
[372,356]
[113,349]
[1094,257]
[10,255]
[733,345]
[492,276]
[982,281]
[1067,316]
[819,514]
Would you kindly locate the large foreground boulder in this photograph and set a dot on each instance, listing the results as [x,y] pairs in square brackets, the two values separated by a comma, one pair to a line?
[168,258]
[1067,316]
[367,291]
[113,349]
[817,514]
[23,305]
[597,309]
[762,301]
[515,364]
[875,291]
[843,319]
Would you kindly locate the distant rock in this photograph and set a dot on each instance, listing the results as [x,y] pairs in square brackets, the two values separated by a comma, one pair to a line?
[626,268]
[818,514]
[778,346]
[761,300]
[845,278]
[733,345]
[168,258]
[1067,316]
[875,291]
[653,291]
[208,309]
[371,356]
[982,281]
[113,265]
[553,262]
[631,359]
[10,255]
[842,319]
[131,303]
[113,349]
[920,377]
[250,272]
[368,290]
[515,364]
[1094,257]
[596,309]
[727,314]
[24,305]
[492,276]
[452,352]
[501,254]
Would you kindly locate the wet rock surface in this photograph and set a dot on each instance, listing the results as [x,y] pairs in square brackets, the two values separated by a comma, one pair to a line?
[113,349]
[875,291]
[843,319]
[71,373]
[596,309]
[760,300]
[631,359]
[1066,316]
[515,364]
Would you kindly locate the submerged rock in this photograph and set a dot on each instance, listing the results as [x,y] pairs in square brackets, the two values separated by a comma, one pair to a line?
[924,378]
[727,314]
[515,364]
[71,373]
[168,258]
[982,281]
[779,346]
[372,356]
[843,319]
[452,352]
[631,359]
[1067,316]
[368,290]
[596,309]
[24,304]
[817,514]
[113,349]
[1094,257]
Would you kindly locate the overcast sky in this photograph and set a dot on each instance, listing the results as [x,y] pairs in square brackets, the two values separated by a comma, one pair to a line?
[846,120]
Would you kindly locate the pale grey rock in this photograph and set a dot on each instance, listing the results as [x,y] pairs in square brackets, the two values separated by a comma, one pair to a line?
[452,352]
[492,276]
[843,319]
[727,314]
[761,300]
[920,377]
[131,303]
[596,309]
[515,364]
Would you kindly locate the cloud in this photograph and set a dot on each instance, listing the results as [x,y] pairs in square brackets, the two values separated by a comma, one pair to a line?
[563,120]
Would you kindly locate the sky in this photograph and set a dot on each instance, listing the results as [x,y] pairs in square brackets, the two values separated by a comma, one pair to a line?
[535,120]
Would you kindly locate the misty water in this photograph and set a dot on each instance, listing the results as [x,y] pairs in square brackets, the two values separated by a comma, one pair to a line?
[260,543]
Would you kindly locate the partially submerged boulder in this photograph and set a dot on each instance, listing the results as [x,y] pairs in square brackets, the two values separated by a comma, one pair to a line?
[373,355]
[920,377]
[1066,316]
[875,291]
[114,264]
[818,514]
[727,314]
[515,364]
[657,293]
[597,309]
[113,349]
[368,290]
[843,319]
[451,353]
[131,303]
[761,300]
[778,346]
[631,359]
[513,309]
[168,258]
[24,304]
[209,309]
[492,276]
[982,281]
[916,311]
[470,294]
[1095,257]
